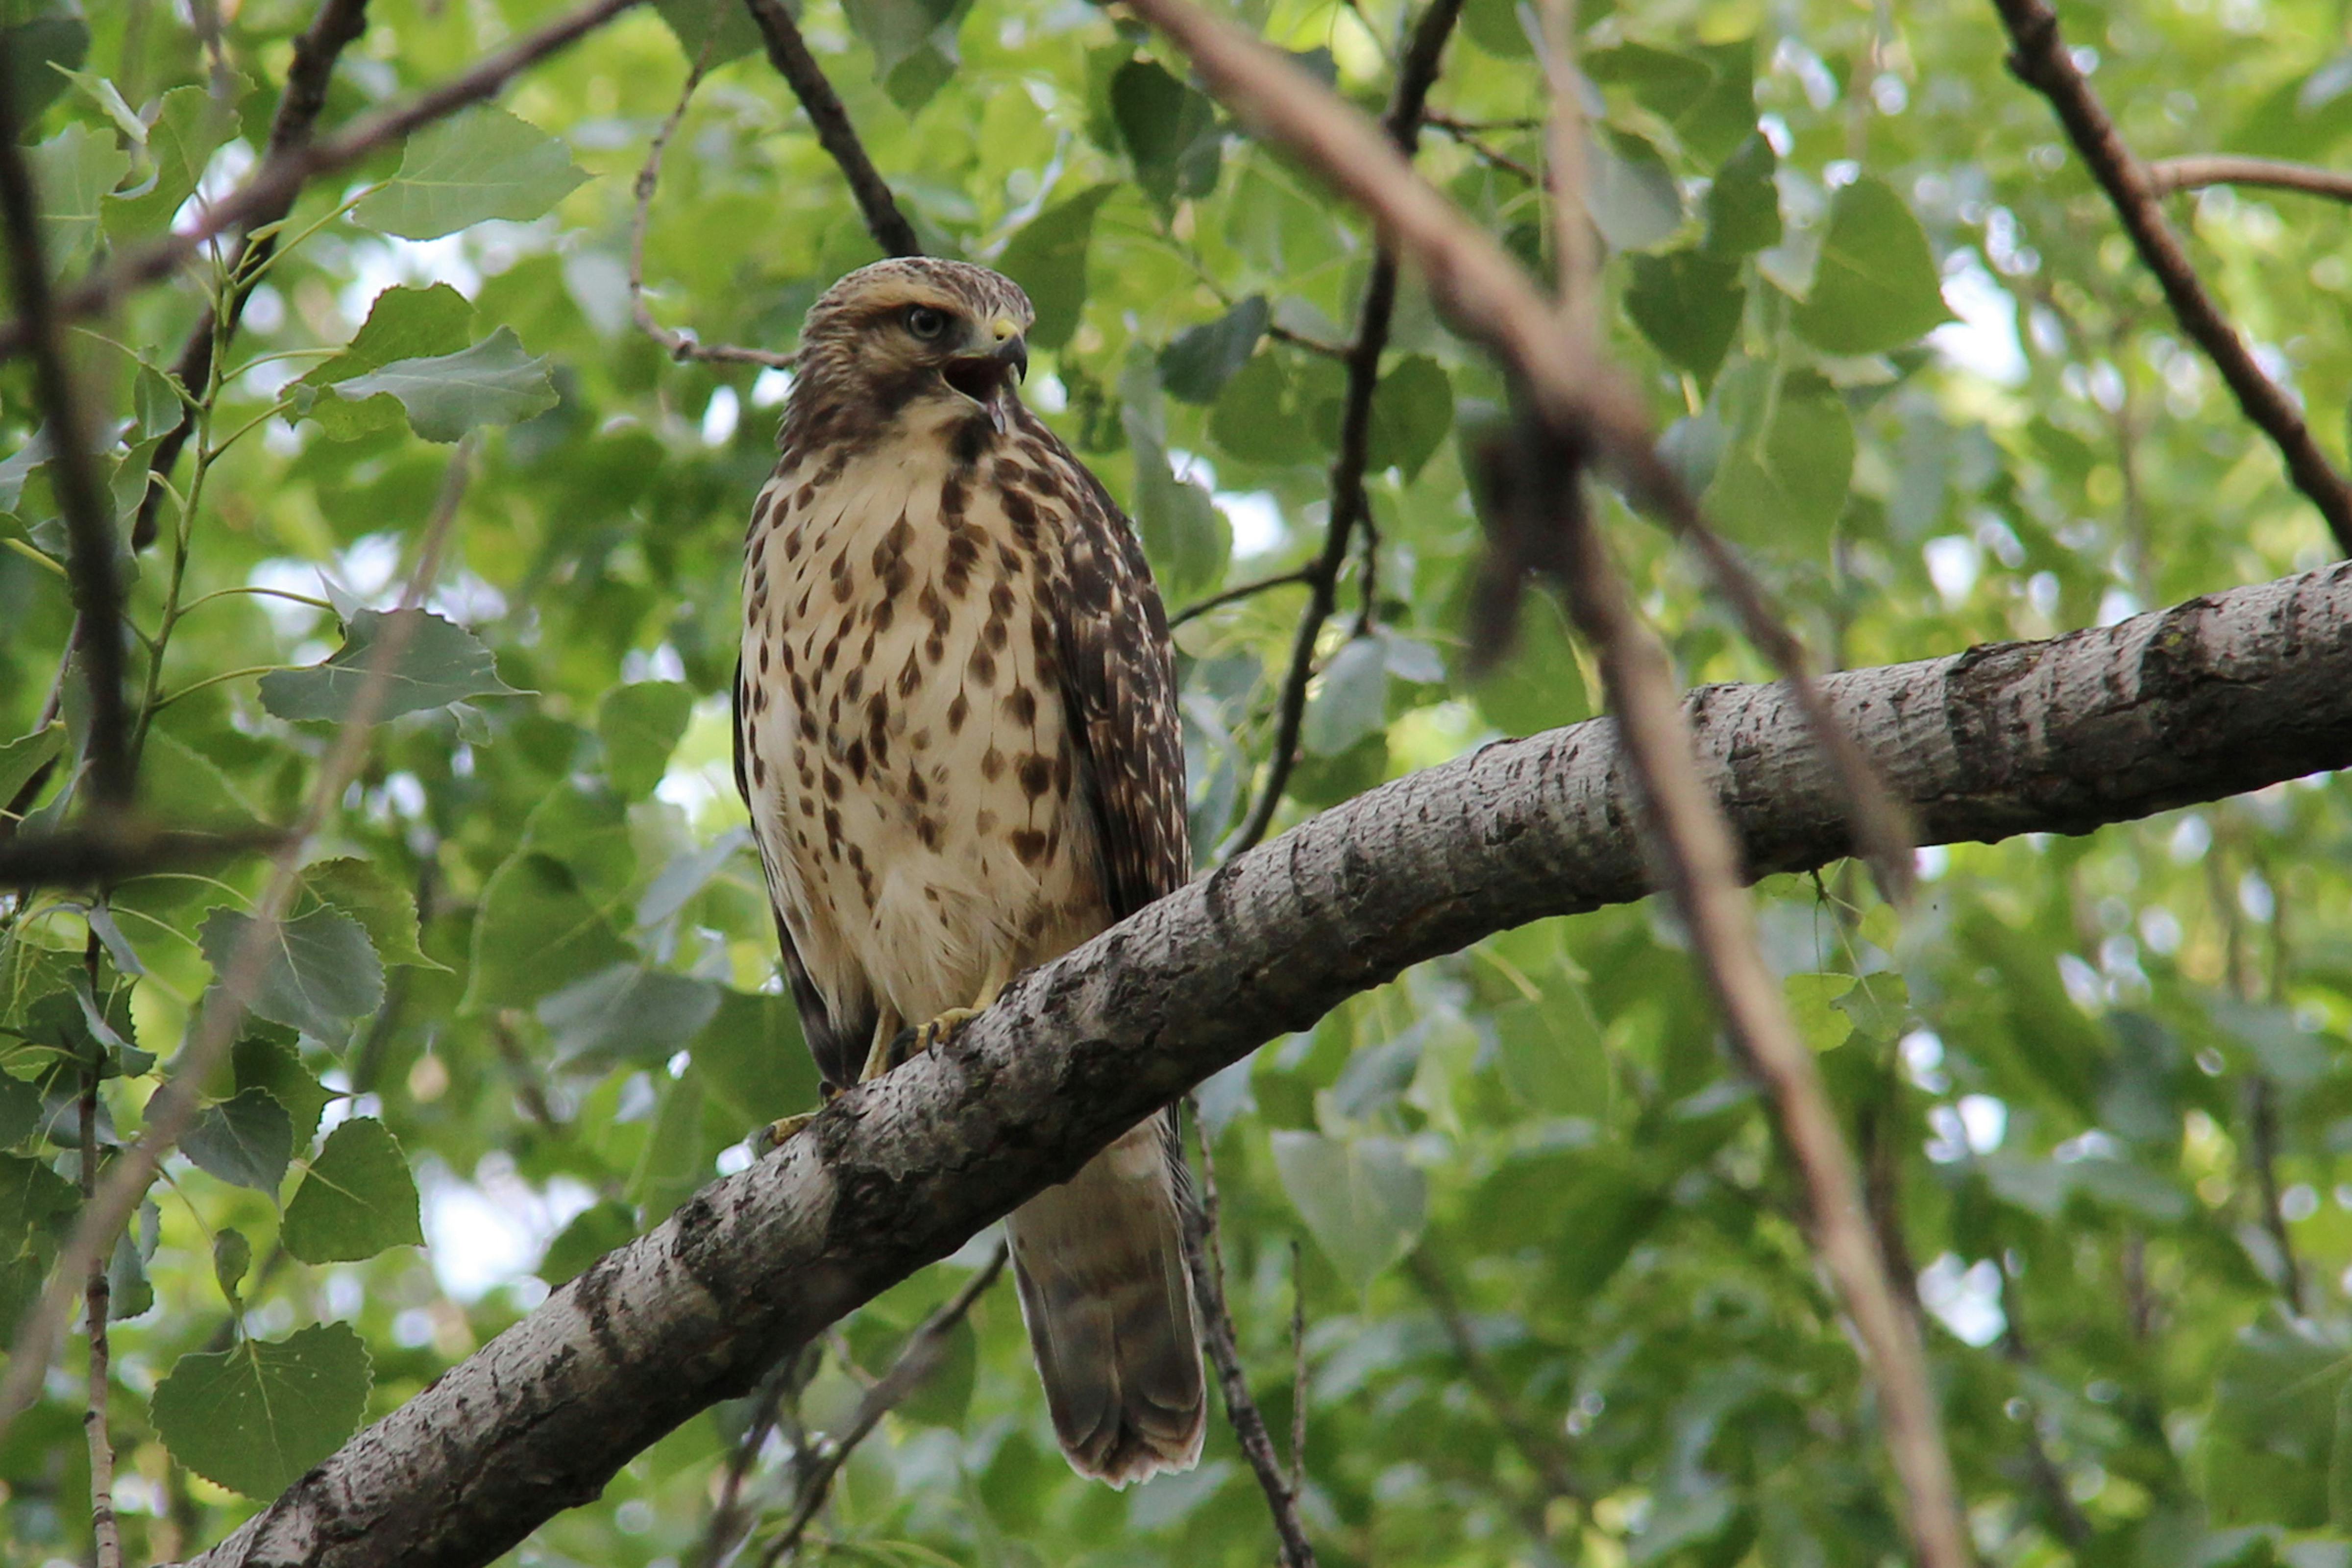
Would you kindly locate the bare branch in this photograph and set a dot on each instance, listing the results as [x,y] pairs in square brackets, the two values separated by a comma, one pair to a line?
[1700,866]
[98,1291]
[337,24]
[275,185]
[82,497]
[680,345]
[1232,595]
[1283,334]
[121,849]
[1297,1372]
[2167,175]
[2225,693]
[1482,292]
[172,1106]
[2039,60]
[918,1358]
[1351,506]
[1204,1259]
[789,53]
[1487,151]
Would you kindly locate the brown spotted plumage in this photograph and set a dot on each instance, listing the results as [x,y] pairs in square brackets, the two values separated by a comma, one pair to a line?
[956,729]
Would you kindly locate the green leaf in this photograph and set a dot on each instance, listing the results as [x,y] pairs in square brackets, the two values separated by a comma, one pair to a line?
[1743,203]
[386,910]
[23,757]
[1494,25]
[1813,1006]
[30,49]
[627,1013]
[752,1058]
[232,1258]
[1412,413]
[246,1140]
[75,169]
[253,1418]
[262,1063]
[1706,92]
[1876,287]
[1635,200]
[1553,1055]
[1048,260]
[356,1200]
[640,725]
[1270,412]
[672,1164]
[1688,304]
[1362,1201]
[2339,1465]
[944,1395]
[321,974]
[1538,685]
[913,43]
[404,323]
[1351,699]
[442,663]
[593,1232]
[1186,537]
[538,931]
[478,163]
[35,1206]
[711,31]
[1783,473]
[493,383]
[1198,362]
[20,1110]
[1170,131]
[191,124]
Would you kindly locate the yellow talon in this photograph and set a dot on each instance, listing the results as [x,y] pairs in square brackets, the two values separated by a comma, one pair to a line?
[772,1137]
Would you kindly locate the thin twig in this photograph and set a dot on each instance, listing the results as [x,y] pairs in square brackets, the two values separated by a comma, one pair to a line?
[89,510]
[273,187]
[1297,1372]
[727,1514]
[1546,1456]
[2040,60]
[2065,1513]
[1351,504]
[680,345]
[916,1359]
[1283,334]
[1486,152]
[789,53]
[106,1532]
[2167,175]
[1204,1260]
[1226,597]
[172,1106]
[337,24]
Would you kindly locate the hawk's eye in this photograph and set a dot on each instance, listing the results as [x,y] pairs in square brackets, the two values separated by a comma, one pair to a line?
[926,323]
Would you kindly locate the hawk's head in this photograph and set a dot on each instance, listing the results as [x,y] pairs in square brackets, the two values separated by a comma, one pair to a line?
[916,338]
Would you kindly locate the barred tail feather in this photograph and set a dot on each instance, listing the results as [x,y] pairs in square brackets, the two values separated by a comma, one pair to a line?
[1100,1261]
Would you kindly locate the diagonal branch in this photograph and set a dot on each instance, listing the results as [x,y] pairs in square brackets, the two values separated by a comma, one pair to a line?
[1351,506]
[171,1110]
[337,24]
[1205,1261]
[789,53]
[680,345]
[2169,174]
[279,179]
[2220,695]
[82,497]
[2039,60]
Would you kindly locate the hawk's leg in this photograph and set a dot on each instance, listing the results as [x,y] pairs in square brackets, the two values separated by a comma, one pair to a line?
[768,1139]
[939,1031]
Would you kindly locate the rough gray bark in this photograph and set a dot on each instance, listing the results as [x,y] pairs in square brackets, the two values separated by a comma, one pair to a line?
[2206,699]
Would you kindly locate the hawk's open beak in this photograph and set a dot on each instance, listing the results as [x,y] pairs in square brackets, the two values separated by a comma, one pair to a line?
[987,378]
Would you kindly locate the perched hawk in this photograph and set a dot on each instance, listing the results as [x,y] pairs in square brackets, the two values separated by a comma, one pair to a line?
[956,729]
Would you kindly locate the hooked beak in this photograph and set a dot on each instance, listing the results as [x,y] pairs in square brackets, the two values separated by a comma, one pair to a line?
[987,377]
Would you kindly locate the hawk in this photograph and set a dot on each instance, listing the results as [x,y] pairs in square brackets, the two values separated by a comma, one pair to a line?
[956,730]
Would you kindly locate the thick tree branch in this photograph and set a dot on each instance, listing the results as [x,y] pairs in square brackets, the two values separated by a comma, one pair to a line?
[338,23]
[1351,506]
[2169,174]
[89,510]
[789,53]
[2039,60]
[279,179]
[2203,700]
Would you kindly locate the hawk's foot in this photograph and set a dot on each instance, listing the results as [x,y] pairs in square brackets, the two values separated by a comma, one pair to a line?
[922,1037]
[771,1138]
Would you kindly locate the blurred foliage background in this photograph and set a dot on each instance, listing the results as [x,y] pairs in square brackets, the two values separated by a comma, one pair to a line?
[1556,1306]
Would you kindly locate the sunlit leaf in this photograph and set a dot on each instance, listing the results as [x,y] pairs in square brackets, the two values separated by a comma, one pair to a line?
[246,1140]
[440,663]
[1876,286]
[1362,1201]
[480,163]
[356,1200]
[318,972]
[492,382]
[255,1417]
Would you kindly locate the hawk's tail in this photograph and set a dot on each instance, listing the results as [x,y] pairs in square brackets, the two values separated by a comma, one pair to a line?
[1100,1264]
